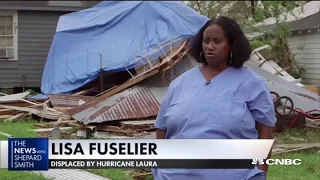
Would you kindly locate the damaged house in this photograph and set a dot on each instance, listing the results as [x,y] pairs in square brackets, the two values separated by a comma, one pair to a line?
[26,32]
[304,40]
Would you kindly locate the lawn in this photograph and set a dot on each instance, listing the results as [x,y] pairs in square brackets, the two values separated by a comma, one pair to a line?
[113,174]
[309,169]
[293,136]
[18,129]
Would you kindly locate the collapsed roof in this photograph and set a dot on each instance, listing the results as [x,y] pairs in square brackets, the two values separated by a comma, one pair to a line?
[120,34]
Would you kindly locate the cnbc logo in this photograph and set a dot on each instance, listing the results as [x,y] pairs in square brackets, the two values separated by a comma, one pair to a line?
[257,161]
[282,162]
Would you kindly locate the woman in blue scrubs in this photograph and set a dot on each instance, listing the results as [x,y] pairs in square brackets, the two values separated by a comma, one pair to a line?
[221,99]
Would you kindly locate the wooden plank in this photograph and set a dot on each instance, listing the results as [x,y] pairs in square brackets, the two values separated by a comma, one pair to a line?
[14,117]
[13,97]
[45,113]
[8,112]
[41,125]
[5,134]
[146,129]
[126,132]
[302,149]
[83,92]
[5,116]
[57,122]
[314,88]
[313,127]
[50,129]
[140,122]
[52,123]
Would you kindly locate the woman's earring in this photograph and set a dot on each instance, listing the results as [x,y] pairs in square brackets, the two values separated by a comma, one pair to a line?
[230,58]
[201,57]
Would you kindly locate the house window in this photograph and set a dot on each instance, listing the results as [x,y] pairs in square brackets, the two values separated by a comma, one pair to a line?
[8,36]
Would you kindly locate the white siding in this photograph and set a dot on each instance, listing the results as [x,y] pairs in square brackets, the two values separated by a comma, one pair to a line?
[309,56]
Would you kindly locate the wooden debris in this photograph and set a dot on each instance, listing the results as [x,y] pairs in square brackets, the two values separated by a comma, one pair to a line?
[313,88]
[142,176]
[5,134]
[136,123]
[106,90]
[30,102]
[50,129]
[312,122]
[57,122]
[43,125]
[76,124]
[146,129]
[14,117]
[84,92]
[302,149]
[294,146]
[6,111]
[5,116]
[61,122]
[114,129]
[13,97]
[297,139]
[46,113]
[314,127]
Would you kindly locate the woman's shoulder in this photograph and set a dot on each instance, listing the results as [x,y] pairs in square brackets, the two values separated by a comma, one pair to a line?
[184,77]
[250,76]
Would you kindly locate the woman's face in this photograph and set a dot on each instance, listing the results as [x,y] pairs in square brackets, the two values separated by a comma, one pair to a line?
[215,45]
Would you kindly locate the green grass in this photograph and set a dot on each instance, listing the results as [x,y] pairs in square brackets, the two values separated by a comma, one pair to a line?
[308,170]
[288,137]
[113,174]
[11,175]
[18,129]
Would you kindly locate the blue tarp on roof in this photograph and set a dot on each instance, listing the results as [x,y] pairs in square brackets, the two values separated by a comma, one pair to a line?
[121,31]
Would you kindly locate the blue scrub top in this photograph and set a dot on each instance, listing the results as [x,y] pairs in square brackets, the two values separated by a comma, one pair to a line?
[227,108]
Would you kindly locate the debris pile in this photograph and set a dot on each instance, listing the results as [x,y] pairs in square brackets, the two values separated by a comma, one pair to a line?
[128,108]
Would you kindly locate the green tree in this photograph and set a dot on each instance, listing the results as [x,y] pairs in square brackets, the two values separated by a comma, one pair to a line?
[250,13]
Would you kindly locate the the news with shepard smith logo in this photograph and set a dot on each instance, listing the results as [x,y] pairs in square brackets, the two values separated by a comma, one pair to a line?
[28,154]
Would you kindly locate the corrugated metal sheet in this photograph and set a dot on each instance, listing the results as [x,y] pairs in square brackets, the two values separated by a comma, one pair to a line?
[68,101]
[302,98]
[141,101]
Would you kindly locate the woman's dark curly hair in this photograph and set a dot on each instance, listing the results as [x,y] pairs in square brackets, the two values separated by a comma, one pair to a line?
[240,46]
